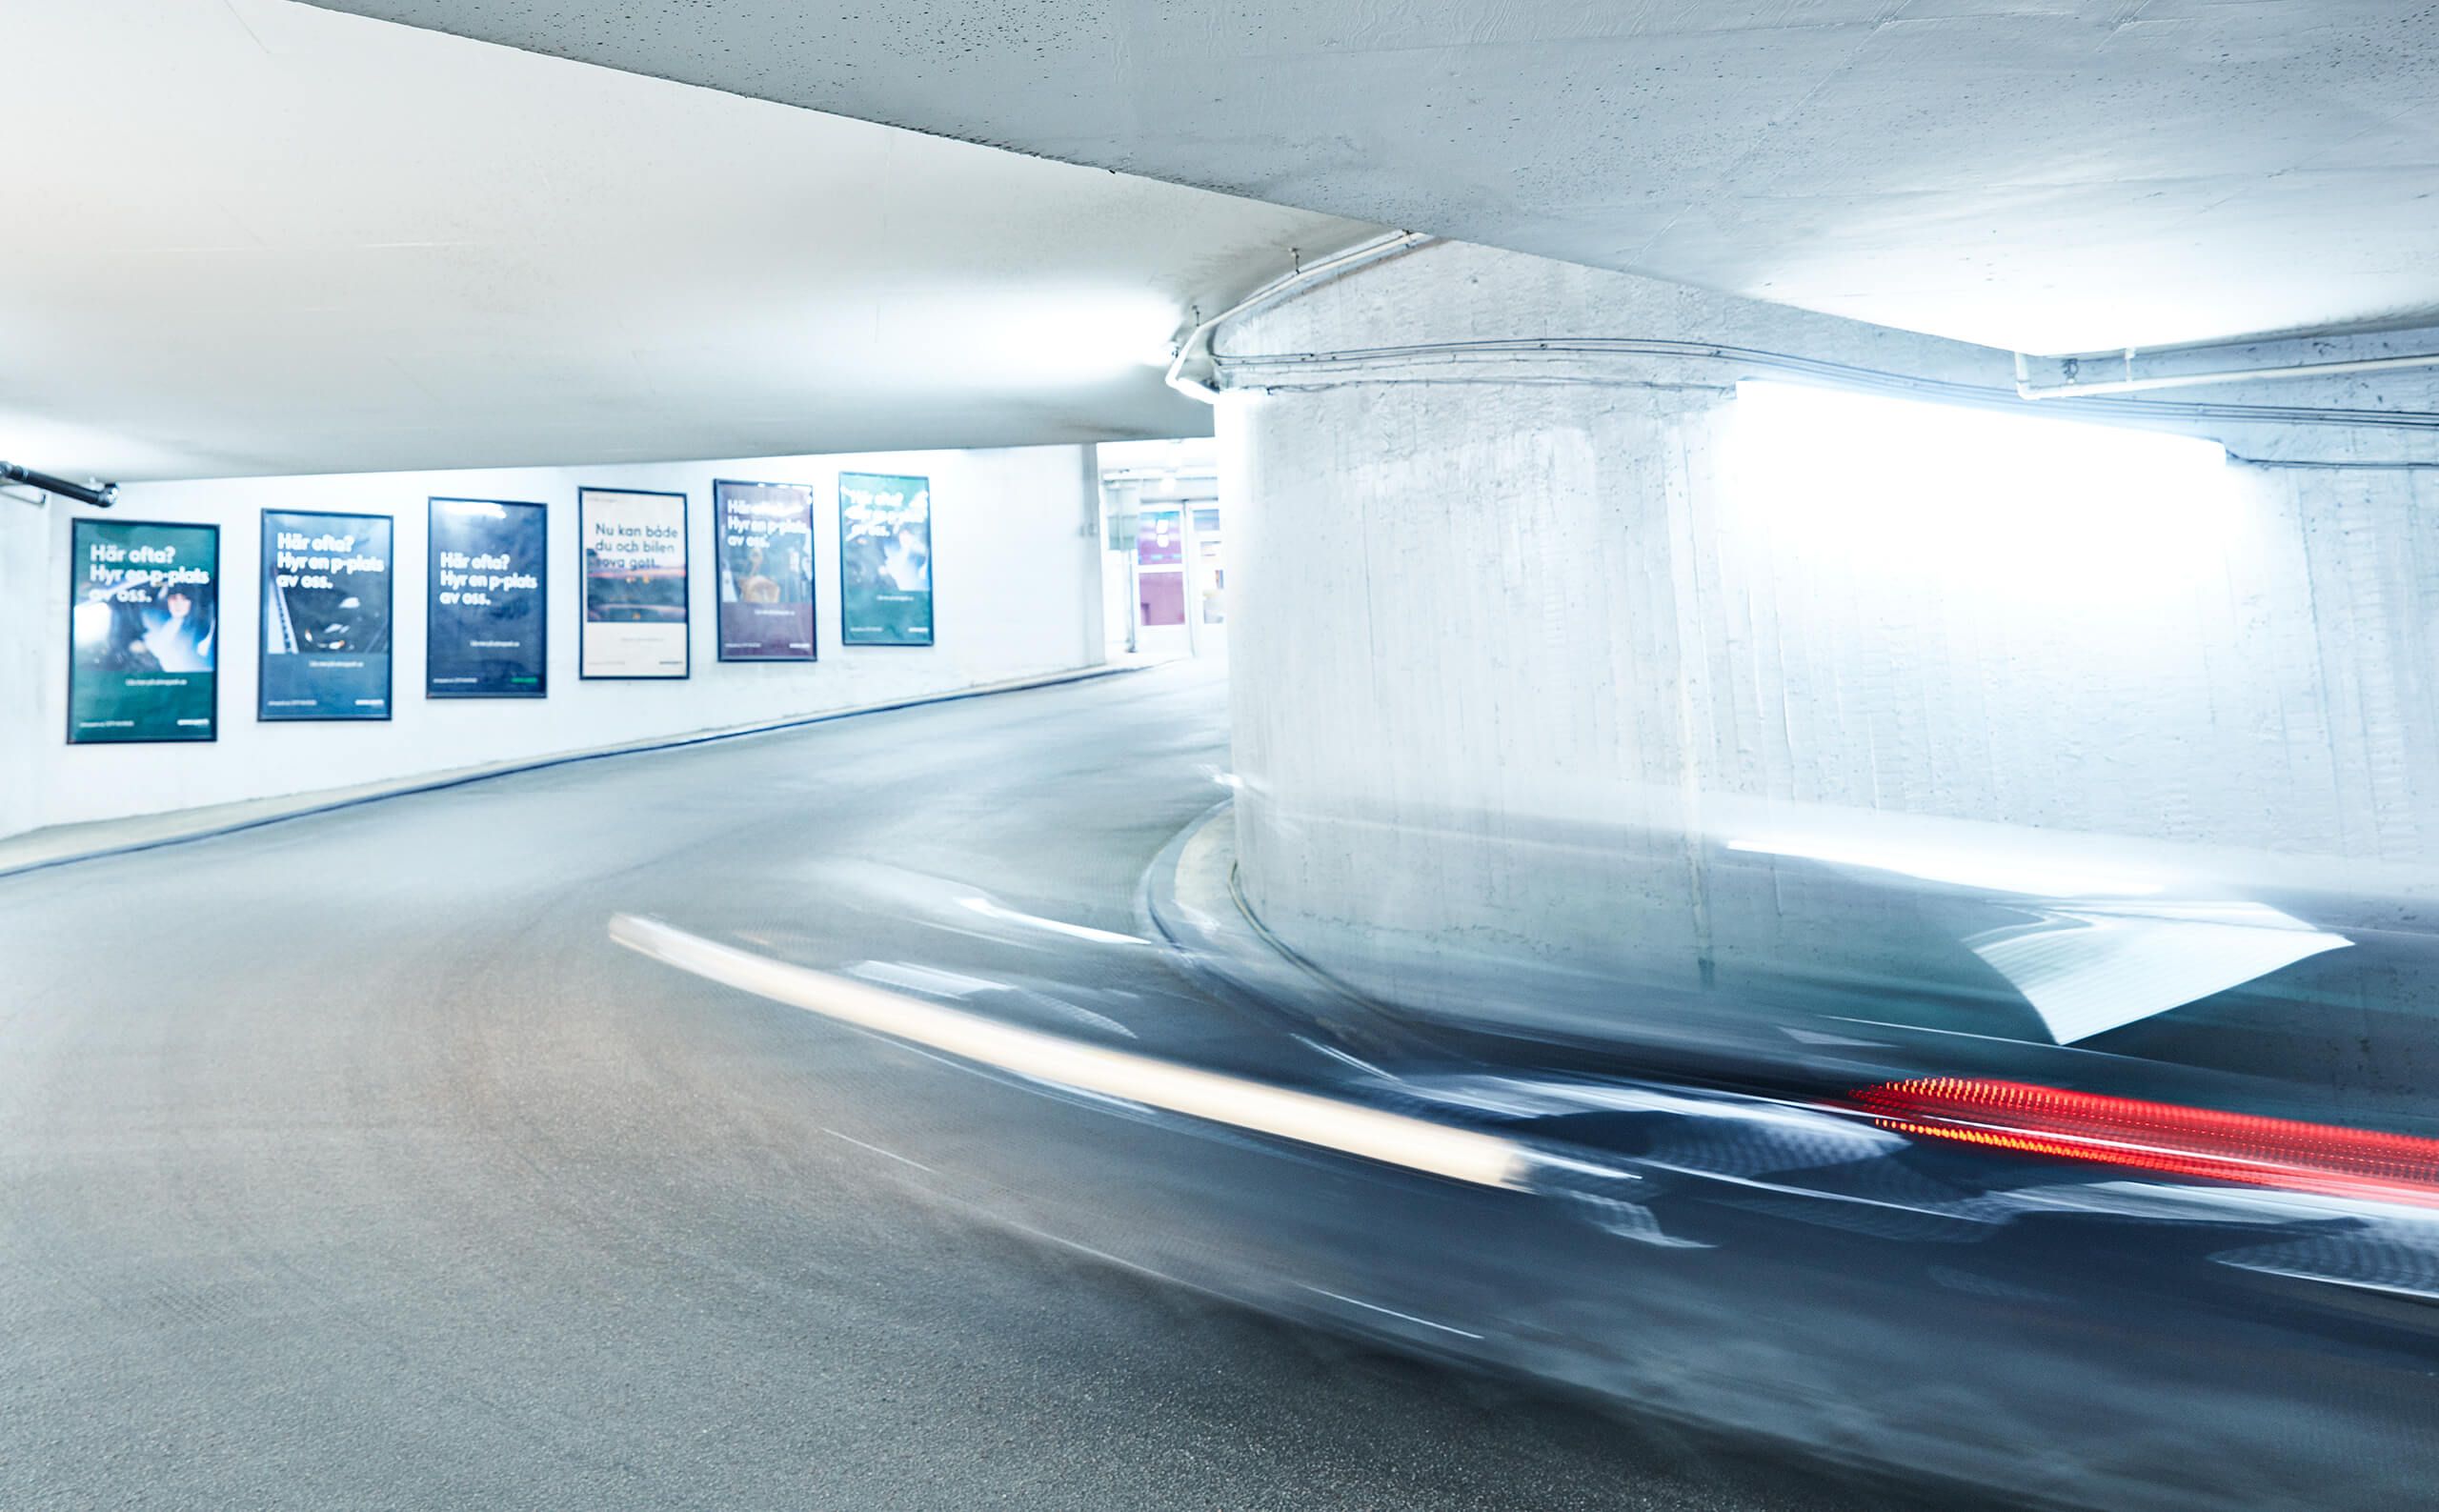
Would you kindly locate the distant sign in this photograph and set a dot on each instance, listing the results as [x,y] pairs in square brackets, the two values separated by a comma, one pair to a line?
[1159,538]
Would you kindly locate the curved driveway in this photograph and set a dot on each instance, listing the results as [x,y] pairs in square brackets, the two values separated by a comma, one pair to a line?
[344,1162]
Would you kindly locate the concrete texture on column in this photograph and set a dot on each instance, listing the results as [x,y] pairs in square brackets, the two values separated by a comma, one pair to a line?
[1508,639]
[1457,607]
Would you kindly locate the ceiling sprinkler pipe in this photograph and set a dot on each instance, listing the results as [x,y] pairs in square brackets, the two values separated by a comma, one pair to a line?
[1195,344]
[100,495]
[2071,389]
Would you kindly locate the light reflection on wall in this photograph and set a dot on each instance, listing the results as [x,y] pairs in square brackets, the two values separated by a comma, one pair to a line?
[2070,514]
[1947,610]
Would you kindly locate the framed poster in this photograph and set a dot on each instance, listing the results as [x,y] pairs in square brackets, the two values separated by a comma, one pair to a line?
[884,561]
[326,616]
[143,632]
[486,633]
[763,533]
[635,621]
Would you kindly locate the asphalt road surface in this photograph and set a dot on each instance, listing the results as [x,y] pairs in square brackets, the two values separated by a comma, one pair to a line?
[345,1163]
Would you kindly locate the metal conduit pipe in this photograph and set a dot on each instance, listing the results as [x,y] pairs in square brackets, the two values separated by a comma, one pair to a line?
[2071,389]
[100,495]
[1195,344]
[1452,353]
[1194,351]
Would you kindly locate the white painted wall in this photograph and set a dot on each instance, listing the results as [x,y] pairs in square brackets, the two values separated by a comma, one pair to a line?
[1015,579]
[1507,646]
[25,603]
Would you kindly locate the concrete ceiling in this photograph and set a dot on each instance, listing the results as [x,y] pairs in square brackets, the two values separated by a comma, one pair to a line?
[2053,175]
[250,236]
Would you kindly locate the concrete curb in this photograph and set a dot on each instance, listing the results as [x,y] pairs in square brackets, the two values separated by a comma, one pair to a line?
[1190,898]
[408,786]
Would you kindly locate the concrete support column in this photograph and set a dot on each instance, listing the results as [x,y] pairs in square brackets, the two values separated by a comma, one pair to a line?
[1531,675]
[1462,622]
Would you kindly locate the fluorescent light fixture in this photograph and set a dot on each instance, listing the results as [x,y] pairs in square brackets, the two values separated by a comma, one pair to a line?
[2025,508]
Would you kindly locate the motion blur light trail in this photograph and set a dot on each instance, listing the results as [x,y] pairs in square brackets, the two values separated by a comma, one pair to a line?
[2197,1143]
[394,1183]
[423,1191]
[1738,1260]
[1458,1153]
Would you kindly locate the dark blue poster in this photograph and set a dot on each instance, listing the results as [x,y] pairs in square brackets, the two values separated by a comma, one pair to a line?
[764,536]
[486,636]
[326,616]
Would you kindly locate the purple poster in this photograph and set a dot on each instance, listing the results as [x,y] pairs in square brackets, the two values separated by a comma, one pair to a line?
[1159,540]
[765,536]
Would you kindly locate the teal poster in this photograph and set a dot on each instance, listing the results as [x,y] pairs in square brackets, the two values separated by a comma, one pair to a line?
[143,662]
[884,561]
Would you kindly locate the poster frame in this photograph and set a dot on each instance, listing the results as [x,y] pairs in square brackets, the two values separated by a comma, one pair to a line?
[432,590]
[813,577]
[75,527]
[686,572]
[932,544]
[262,620]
